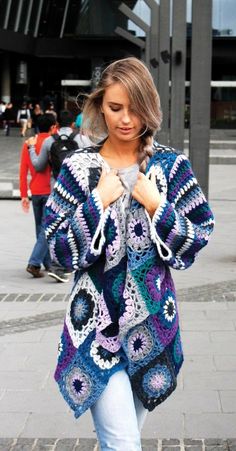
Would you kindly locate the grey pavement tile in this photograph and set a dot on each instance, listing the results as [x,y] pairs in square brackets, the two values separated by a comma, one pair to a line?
[231,305]
[163,425]
[60,425]
[188,315]
[171,448]
[214,442]
[22,380]
[12,423]
[216,448]
[86,445]
[47,297]
[203,306]
[224,315]
[170,442]
[45,444]
[228,401]
[66,444]
[11,297]
[150,445]
[31,336]
[6,443]
[225,362]
[192,442]
[198,363]
[34,401]
[210,425]
[223,336]
[2,296]
[207,325]
[35,297]
[24,444]
[192,401]
[206,380]
[21,297]
[59,297]
[223,348]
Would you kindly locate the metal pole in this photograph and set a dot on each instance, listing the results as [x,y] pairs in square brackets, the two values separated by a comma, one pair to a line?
[178,69]
[154,39]
[26,30]
[200,95]
[36,29]
[141,24]
[17,21]
[7,14]
[64,18]
[164,68]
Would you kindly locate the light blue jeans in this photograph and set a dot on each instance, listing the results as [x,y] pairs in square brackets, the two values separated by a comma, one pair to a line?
[118,416]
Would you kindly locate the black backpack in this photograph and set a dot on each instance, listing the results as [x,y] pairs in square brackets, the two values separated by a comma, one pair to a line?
[62,147]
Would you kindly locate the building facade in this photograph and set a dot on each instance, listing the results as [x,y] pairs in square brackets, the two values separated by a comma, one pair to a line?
[53,49]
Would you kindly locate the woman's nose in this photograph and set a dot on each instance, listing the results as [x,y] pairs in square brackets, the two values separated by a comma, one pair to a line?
[126,116]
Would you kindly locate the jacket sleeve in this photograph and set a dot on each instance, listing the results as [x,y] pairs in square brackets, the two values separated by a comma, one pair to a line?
[74,219]
[183,222]
[24,168]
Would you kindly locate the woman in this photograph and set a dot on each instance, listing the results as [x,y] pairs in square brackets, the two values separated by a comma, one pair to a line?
[123,213]
[23,116]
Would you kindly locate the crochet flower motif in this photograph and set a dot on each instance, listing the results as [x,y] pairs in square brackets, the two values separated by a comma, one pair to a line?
[139,344]
[78,385]
[81,309]
[138,230]
[157,380]
[103,358]
[169,309]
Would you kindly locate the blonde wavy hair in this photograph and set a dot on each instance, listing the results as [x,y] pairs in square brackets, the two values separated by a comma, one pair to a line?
[136,78]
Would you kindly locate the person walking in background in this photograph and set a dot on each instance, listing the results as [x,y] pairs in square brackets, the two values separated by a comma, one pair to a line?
[66,124]
[40,188]
[36,113]
[9,117]
[122,214]
[23,116]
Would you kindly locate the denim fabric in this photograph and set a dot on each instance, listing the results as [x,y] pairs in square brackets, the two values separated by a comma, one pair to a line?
[40,254]
[118,416]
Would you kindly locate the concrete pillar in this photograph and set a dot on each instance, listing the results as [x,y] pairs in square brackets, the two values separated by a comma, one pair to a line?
[178,68]
[200,99]
[5,79]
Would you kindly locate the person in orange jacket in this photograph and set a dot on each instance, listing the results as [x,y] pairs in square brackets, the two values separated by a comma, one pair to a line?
[40,188]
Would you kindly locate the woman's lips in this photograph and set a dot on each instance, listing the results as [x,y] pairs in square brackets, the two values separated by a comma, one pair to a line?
[125,130]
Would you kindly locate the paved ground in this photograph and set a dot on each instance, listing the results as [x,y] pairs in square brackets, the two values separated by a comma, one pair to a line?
[201,413]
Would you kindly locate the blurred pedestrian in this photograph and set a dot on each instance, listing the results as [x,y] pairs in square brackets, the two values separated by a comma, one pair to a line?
[66,130]
[40,187]
[23,116]
[2,110]
[9,118]
[51,109]
[36,113]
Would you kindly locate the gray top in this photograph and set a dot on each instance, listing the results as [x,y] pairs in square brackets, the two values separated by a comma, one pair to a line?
[128,177]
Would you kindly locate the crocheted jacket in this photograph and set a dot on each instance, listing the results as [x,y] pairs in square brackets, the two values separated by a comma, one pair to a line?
[122,311]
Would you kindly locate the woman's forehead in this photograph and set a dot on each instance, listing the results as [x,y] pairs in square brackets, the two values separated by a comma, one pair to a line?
[116,93]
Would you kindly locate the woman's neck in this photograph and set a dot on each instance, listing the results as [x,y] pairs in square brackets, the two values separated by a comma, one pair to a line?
[119,154]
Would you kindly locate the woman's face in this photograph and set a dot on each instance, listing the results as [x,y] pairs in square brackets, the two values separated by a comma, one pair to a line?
[122,123]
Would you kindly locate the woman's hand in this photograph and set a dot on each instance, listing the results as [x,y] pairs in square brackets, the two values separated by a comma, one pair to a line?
[109,187]
[146,192]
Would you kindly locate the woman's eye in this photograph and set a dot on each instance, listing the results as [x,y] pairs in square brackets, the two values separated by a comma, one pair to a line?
[114,109]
